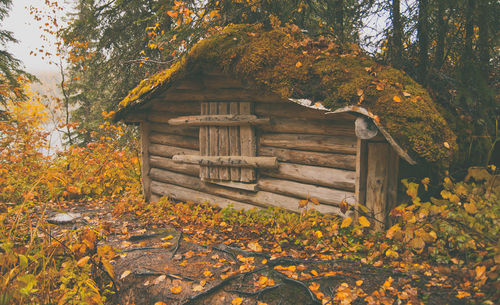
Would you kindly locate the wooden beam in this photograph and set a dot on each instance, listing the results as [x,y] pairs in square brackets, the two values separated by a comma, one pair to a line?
[252,187]
[333,144]
[174,140]
[218,120]
[248,143]
[310,158]
[234,142]
[320,127]
[361,165]
[302,190]
[167,183]
[146,180]
[331,177]
[169,151]
[230,161]
[290,109]
[175,130]
[169,164]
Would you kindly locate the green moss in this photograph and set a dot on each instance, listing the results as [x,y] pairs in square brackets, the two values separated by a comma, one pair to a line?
[294,66]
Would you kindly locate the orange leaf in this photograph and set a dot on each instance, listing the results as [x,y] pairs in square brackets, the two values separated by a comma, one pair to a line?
[298,64]
[397,99]
[237,301]
[314,200]
[314,286]
[346,222]
[83,261]
[364,222]
[176,289]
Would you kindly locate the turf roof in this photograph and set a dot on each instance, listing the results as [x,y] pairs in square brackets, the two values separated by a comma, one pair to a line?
[295,66]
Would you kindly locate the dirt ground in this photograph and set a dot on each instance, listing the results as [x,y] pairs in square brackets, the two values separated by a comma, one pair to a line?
[165,266]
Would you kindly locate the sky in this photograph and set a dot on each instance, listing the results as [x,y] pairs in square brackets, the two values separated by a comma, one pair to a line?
[26,31]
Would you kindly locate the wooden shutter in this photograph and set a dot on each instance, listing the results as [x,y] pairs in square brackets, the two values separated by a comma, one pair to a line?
[227,141]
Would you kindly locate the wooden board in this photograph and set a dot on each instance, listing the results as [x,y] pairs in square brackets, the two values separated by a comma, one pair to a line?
[321,143]
[173,140]
[361,164]
[187,108]
[213,141]
[247,144]
[224,142]
[220,119]
[331,177]
[234,142]
[320,127]
[217,95]
[169,151]
[292,110]
[301,190]
[343,161]
[228,161]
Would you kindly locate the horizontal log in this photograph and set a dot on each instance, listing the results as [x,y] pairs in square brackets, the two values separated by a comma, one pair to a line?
[260,198]
[290,109]
[220,95]
[174,140]
[334,144]
[231,161]
[168,164]
[252,187]
[331,177]
[160,116]
[222,82]
[302,190]
[175,130]
[135,117]
[186,194]
[219,120]
[169,151]
[177,108]
[310,158]
[321,127]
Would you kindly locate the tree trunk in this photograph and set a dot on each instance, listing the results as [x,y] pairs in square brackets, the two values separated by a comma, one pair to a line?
[467,56]
[423,39]
[442,24]
[397,33]
[484,56]
[339,19]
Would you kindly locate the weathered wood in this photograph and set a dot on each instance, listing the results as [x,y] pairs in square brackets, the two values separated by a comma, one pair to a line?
[169,151]
[194,83]
[247,143]
[290,109]
[364,128]
[175,130]
[234,141]
[213,142]
[204,138]
[321,127]
[146,180]
[231,161]
[177,108]
[224,142]
[160,116]
[173,140]
[377,182]
[217,95]
[310,158]
[218,120]
[164,181]
[334,144]
[302,190]
[135,117]
[169,164]
[222,82]
[332,177]
[361,159]
[392,184]
[186,194]
[252,187]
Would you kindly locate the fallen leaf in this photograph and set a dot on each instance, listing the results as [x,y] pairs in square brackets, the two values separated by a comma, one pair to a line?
[303,203]
[254,246]
[318,234]
[197,288]
[160,303]
[359,92]
[359,283]
[346,222]
[380,86]
[125,274]
[176,289]
[447,145]
[83,261]
[314,286]
[298,64]
[364,222]
[237,301]
[406,93]
[167,237]
[159,279]
[397,99]
[462,294]
[207,273]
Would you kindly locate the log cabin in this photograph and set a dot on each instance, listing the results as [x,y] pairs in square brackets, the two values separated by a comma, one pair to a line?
[256,118]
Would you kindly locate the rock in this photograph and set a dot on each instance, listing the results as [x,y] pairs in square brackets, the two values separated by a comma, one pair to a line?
[64,218]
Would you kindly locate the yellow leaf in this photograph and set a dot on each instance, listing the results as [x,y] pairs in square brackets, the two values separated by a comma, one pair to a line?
[380,86]
[125,274]
[392,230]
[261,303]
[318,234]
[470,208]
[314,272]
[303,203]
[298,64]
[176,289]
[480,270]
[167,237]
[237,301]
[346,222]
[207,273]
[314,200]
[462,294]
[314,286]
[406,93]
[264,261]
[417,243]
[397,99]
[83,261]
[359,283]
[109,268]
[262,281]
[447,145]
[160,303]
[364,222]
[391,253]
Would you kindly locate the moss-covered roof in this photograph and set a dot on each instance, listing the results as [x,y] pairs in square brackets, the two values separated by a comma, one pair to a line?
[295,66]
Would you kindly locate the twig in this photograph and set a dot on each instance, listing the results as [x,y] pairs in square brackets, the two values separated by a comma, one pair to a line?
[177,245]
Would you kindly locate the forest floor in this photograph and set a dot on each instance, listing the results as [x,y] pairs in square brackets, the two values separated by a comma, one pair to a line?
[157,263]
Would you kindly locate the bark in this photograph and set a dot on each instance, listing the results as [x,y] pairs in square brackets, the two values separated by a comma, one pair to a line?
[484,56]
